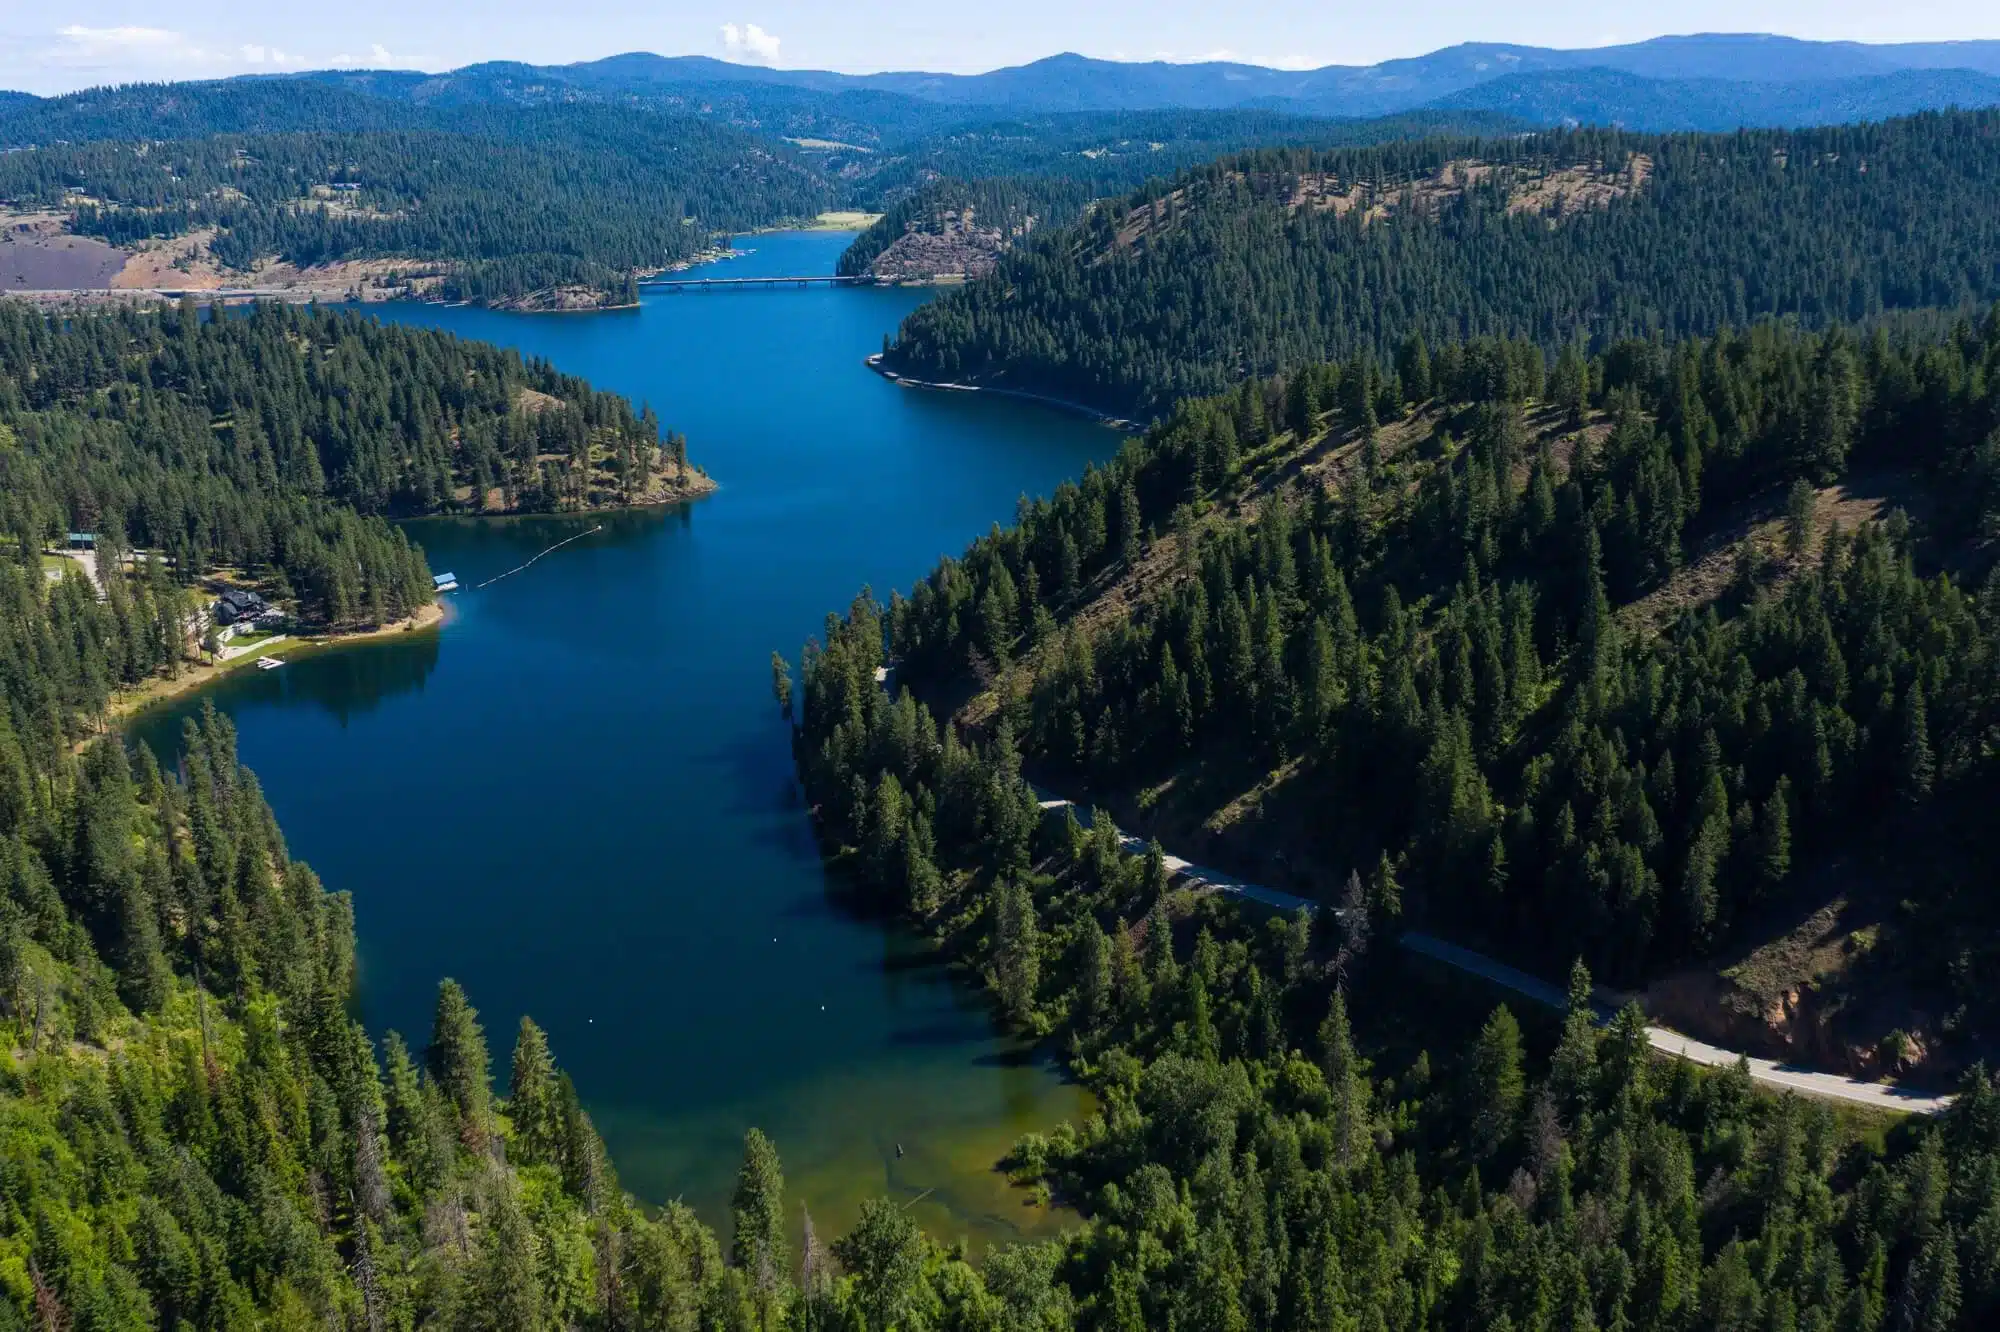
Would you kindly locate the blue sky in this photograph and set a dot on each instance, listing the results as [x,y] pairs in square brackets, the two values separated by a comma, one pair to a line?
[70,44]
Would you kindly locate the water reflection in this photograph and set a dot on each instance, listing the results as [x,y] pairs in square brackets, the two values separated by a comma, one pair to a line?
[344,680]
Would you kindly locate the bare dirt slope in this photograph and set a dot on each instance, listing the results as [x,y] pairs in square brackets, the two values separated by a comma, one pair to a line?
[36,255]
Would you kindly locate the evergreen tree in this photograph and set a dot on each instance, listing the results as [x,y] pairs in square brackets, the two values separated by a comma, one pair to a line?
[1496,1082]
[457,1058]
[757,1215]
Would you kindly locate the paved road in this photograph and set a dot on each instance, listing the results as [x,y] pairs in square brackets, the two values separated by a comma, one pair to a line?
[1827,1086]
[88,559]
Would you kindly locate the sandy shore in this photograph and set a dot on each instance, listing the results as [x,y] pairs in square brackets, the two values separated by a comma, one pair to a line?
[127,702]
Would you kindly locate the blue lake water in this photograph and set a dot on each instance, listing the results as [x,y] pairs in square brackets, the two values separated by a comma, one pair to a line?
[577,797]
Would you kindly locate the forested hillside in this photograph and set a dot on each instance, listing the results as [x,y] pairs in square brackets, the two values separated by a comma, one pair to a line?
[1416,642]
[1276,259]
[1616,97]
[139,111]
[510,203]
[1604,658]
[1049,167]
[276,442]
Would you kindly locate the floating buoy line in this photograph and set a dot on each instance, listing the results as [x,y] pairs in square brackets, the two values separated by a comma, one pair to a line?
[558,546]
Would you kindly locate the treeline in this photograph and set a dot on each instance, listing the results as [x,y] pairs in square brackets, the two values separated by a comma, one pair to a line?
[513,202]
[280,439]
[1257,1163]
[1427,645]
[1188,285]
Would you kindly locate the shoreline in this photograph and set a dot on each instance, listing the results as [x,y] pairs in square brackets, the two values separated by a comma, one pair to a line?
[127,704]
[874,362]
[558,309]
[702,487]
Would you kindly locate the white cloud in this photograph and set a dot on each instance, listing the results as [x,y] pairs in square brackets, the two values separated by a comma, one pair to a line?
[131,42]
[259,56]
[78,55]
[748,42]
[127,35]
[378,57]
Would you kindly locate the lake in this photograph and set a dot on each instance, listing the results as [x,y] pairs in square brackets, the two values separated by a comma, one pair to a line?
[577,796]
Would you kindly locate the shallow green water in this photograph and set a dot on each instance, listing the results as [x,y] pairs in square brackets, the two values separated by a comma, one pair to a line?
[577,796]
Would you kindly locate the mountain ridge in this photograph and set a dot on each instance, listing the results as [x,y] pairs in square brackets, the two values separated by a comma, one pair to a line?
[1664,83]
[1070,81]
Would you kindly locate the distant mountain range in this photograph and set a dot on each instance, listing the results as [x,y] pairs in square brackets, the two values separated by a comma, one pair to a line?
[1078,83]
[1707,81]
[1703,81]
[1614,97]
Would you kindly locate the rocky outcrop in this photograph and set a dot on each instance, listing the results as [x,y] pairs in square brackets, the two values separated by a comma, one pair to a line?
[1805,1024]
[948,247]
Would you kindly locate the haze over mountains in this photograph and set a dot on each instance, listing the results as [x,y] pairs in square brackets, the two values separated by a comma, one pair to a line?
[1707,81]
[1071,82]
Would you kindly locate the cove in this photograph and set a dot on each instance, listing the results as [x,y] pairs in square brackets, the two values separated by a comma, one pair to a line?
[577,796]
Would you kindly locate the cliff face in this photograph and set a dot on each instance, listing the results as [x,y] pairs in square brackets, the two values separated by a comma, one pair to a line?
[949,246]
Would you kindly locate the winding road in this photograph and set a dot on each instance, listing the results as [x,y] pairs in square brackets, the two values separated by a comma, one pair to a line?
[1790,1077]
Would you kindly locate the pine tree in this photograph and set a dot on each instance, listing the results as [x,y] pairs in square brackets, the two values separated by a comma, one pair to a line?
[1413,366]
[1574,1065]
[1017,952]
[1774,834]
[1130,526]
[1799,518]
[781,683]
[1346,1083]
[1496,1082]
[507,1294]
[1917,767]
[1930,1298]
[757,1213]
[457,1058]
[531,1096]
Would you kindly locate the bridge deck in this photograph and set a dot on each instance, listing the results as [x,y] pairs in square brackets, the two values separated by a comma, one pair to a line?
[826,279]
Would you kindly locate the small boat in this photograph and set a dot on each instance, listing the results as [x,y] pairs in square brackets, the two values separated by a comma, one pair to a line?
[268,663]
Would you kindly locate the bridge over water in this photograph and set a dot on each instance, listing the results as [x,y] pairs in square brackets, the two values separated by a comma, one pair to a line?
[666,282]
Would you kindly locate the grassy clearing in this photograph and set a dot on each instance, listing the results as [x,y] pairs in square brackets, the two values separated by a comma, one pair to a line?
[842,220]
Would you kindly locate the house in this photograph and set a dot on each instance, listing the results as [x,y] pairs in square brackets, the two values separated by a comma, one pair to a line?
[82,541]
[237,603]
